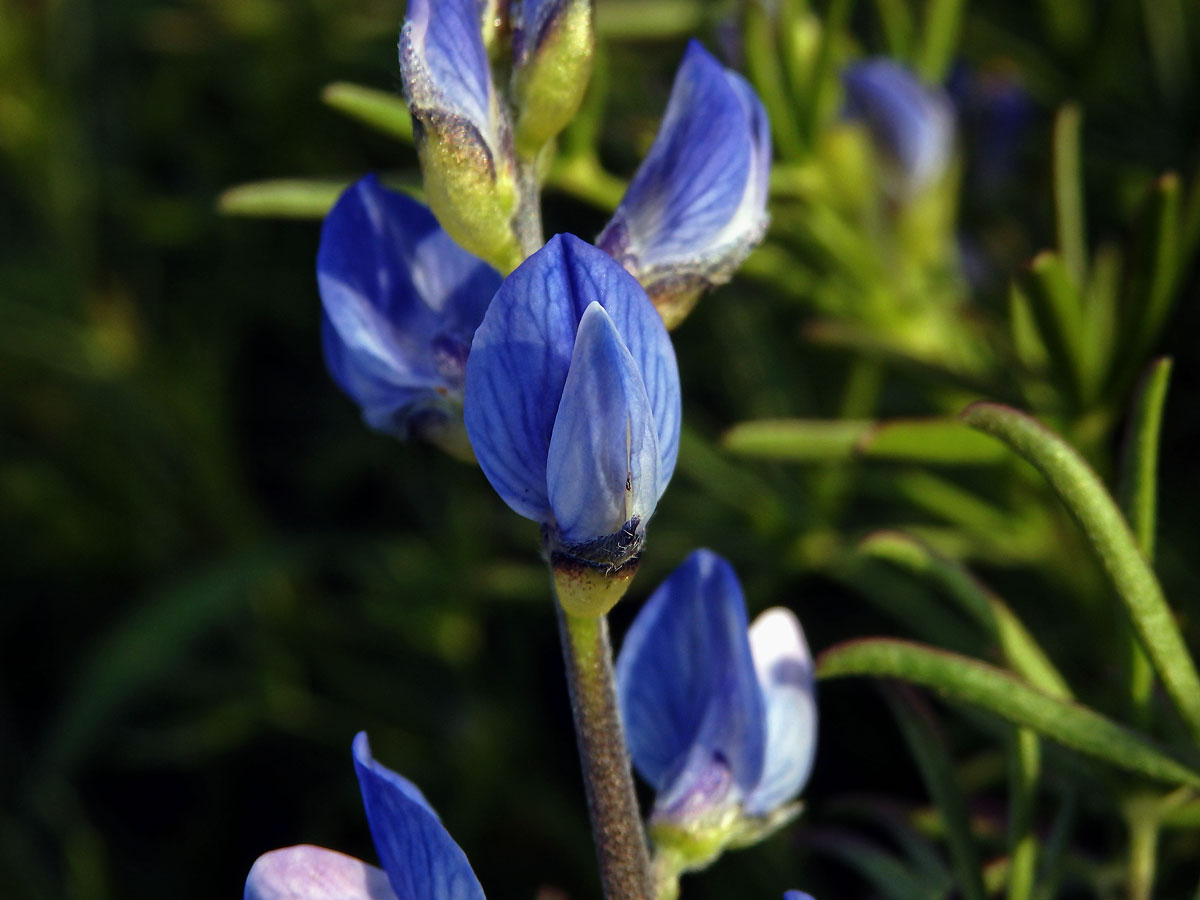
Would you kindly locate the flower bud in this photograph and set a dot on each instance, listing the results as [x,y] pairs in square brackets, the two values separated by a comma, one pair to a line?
[572,406]
[553,47]
[721,718]
[462,133]
[910,124]
[697,205]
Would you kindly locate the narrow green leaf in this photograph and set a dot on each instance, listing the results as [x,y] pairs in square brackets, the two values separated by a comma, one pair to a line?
[935,441]
[1024,764]
[985,687]
[1057,308]
[1101,310]
[767,76]
[797,440]
[1021,651]
[1139,501]
[636,20]
[898,27]
[282,198]
[1084,495]
[943,22]
[920,733]
[382,110]
[824,83]
[1149,302]
[1068,193]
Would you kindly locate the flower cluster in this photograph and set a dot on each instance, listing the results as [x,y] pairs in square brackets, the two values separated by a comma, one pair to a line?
[551,367]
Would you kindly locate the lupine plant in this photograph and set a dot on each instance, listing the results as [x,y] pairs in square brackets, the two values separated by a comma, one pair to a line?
[994,384]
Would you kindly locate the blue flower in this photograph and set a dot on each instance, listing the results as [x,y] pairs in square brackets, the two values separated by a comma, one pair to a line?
[697,205]
[420,859]
[401,302]
[721,718]
[796,895]
[911,125]
[572,401]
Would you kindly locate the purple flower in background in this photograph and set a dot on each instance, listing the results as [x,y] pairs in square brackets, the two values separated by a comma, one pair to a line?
[420,859]
[697,205]
[572,401]
[721,718]
[911,124]
[401,302]
[996,115]
[796,895]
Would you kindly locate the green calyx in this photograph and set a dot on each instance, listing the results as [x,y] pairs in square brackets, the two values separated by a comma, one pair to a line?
[549,86]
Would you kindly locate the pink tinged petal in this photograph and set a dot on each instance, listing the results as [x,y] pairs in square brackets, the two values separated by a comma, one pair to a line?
[314,873]
[602,467]
[784,668]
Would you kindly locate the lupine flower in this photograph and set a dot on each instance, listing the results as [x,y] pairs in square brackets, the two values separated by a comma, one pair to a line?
[572,403]
[911,124]
[996,114]
[553,47]
[697,205]
[721,719]
[796,895]
[401,303]
[463,136]
[420,859]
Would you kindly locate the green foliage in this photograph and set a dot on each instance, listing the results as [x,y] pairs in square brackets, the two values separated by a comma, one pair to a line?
[214,574]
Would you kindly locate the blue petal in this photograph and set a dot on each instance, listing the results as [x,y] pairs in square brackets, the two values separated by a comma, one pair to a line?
[422,861]
[785,675]
[602,466]
[314,873]
[521,355]
[796,895]
[701,191]
[444,62]
[532,21]
[910,124]
[685,678]
[401,303]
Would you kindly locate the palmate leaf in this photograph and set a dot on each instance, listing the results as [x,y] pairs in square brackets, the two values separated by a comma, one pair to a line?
[986,687]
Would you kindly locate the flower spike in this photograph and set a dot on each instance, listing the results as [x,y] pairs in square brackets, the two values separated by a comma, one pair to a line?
[401,302]
[697,205]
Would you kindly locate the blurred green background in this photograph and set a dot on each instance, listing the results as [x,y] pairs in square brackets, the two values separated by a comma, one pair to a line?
[214,575]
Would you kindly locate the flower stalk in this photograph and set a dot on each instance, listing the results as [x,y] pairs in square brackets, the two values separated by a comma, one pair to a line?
[608,779]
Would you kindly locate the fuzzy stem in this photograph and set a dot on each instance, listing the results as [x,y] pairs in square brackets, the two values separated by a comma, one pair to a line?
[612,803]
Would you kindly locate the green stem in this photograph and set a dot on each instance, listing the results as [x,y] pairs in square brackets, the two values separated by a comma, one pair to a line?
[1024,763]
[1142,818]
[612,803]
[1085,497]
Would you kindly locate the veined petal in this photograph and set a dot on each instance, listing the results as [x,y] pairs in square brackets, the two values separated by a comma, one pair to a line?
[785,674]
[444,62]
[602,466]
[522,353]
[401,302]
[911,125]
[314,873]
[697,204]
[422,861]
[685,678]
[531,21]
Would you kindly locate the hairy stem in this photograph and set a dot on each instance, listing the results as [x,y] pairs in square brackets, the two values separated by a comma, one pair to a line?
[612,803]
